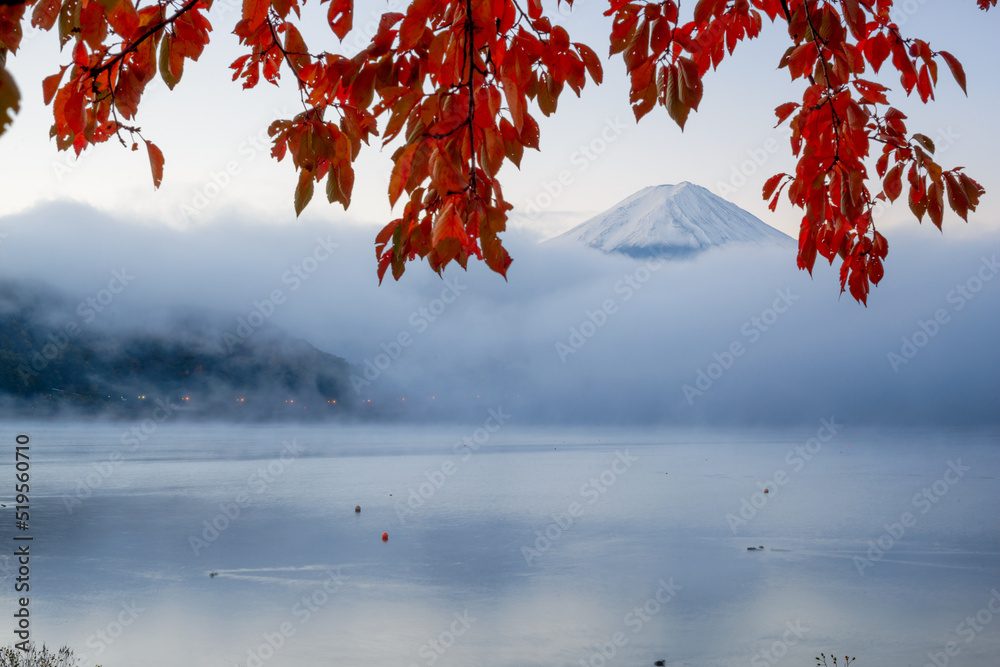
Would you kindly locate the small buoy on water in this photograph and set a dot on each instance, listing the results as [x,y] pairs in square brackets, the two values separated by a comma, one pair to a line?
[357,508]
[385,537]
[766,491]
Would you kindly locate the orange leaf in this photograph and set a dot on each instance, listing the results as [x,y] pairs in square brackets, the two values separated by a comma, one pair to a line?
[122,17]
[155,162]
[304,190]
[45,14]
[413,28]
[50,85]
[341,17]
[448,226]
[80,56]
[255,12]
[401,172]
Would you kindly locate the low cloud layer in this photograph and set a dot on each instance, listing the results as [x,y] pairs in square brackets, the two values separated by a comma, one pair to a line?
[736,336]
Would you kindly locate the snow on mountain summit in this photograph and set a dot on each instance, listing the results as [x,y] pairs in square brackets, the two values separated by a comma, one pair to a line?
[672,221]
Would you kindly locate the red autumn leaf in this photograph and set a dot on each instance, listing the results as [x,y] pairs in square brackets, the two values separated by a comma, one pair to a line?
[893,183]
[45,14]
[935,204]
[956,68]
[957,199]
[304,190]
[448,226]
[51,84]
[878,49]
[771,184]
[80,56]
[784,111]
[122,18]
[255,12]
[401,172]
[854,16]
[341,17]
[155,162]
[591,61]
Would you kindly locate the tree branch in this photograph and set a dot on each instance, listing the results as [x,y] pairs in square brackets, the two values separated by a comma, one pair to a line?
[94,73]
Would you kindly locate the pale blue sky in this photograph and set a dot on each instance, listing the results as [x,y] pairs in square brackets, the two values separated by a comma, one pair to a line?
[209,122]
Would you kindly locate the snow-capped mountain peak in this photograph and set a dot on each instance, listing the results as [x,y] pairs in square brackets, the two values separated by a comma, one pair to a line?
[672,220]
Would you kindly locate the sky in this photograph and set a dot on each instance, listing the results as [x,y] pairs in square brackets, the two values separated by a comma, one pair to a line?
[221,234]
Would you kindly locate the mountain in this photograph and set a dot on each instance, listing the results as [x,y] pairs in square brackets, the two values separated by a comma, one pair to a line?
[52,359]
[672,221]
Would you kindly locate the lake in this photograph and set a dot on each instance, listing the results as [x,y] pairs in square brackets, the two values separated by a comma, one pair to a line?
[222,545]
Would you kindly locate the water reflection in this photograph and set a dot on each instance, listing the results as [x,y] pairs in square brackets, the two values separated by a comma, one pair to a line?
[526,553]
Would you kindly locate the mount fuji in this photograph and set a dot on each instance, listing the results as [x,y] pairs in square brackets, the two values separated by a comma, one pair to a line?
[673,221]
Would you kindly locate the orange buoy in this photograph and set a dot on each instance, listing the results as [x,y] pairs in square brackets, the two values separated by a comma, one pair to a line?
[385,537]
[357,508]
[766,491]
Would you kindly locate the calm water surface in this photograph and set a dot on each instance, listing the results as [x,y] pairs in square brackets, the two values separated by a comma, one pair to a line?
[537,547]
